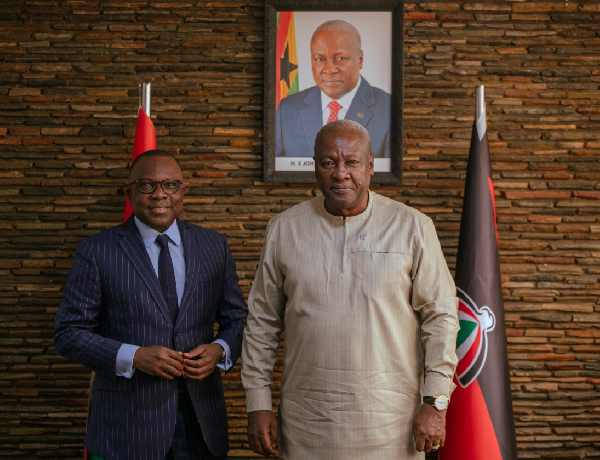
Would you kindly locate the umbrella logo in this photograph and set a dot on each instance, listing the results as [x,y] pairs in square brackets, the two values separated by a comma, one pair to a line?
[472,342]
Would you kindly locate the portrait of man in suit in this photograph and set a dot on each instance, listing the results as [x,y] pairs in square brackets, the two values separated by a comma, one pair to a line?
[139,309]
[340,92]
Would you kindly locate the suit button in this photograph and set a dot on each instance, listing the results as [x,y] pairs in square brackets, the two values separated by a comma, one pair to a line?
[176,334]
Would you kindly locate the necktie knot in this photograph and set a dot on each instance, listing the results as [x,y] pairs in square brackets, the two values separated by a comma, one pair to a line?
[334,108]
[162,241]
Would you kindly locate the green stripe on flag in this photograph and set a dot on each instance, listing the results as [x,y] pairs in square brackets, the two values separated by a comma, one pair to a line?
[295,86]
[466,328]
[277,20]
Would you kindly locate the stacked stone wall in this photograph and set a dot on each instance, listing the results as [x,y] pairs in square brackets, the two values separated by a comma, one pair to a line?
[69,71]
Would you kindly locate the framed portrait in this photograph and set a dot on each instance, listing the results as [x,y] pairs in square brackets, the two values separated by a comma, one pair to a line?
[327,60]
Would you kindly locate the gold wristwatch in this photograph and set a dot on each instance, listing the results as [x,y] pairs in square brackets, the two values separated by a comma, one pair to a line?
[439,402]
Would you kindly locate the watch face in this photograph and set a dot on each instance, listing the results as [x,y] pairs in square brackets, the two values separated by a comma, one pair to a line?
[441,402]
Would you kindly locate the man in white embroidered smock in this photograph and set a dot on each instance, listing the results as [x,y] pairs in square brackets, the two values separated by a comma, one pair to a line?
[370,315]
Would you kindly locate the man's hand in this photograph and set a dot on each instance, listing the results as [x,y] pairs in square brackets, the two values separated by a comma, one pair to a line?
[262,432]
[429,428]
[159,361]
[201,361]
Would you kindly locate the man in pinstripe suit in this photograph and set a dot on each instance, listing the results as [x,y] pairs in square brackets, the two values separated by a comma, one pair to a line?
[139,309]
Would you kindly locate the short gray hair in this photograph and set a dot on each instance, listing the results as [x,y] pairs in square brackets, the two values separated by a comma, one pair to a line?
[340,128]
[337,25]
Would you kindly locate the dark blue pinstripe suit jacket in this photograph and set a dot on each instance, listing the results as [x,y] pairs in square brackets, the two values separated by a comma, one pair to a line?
[112,297]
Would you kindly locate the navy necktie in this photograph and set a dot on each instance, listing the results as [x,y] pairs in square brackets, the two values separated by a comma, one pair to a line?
[166,276]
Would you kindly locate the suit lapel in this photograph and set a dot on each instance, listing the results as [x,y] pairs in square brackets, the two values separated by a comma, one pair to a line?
[194,256]
[359,109]
[311,116]
[133,247]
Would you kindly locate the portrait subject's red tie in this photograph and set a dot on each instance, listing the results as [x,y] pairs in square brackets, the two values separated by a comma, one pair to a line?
[334,108]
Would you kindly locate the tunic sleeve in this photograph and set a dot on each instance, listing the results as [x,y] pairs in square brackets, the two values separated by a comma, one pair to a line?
[266,305]
[434,299]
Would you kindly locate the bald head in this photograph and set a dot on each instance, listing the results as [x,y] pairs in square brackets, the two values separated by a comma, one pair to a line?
[337,25]
[346,129]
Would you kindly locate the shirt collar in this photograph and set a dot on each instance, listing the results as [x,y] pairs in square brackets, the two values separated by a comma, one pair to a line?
[358,218]
[149,234]
[344,101]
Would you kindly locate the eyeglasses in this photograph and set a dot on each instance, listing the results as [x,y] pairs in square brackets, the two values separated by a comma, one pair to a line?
[147,186]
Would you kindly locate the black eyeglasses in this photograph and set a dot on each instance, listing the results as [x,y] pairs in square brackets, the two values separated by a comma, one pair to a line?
[147,186]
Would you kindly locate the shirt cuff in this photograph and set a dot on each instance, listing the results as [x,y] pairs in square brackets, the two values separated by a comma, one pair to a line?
[124,366]
[436,384]
[228,364]
[258,399]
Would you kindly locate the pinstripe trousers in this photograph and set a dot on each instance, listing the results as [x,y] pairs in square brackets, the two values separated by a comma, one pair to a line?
[188,442]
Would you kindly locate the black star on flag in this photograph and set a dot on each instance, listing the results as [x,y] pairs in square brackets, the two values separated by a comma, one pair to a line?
[286,67]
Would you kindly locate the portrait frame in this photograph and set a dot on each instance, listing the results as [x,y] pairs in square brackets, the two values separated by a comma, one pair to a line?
[272,7]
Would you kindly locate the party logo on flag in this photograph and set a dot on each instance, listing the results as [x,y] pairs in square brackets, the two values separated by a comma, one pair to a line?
[472,342]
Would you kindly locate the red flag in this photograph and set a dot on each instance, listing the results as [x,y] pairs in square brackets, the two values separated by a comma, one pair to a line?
[480,423]
[145,139]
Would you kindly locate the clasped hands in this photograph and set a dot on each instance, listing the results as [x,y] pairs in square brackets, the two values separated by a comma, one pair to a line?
[429,430]
[163,362]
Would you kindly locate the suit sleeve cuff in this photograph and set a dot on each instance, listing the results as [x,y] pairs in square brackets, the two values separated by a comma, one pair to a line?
[436,384]
[258,399]
[124,364]
[228,364]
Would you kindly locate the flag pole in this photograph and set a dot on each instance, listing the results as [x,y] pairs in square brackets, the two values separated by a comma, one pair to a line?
[480,108]
[145,98]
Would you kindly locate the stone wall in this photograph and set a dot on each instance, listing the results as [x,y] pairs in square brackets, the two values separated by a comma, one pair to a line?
[69,71]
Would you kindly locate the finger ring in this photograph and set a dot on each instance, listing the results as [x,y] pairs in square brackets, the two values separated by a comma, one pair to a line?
[434,448]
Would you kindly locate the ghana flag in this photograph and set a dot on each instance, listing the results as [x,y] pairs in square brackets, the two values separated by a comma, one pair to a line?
[479,423]
[287,64]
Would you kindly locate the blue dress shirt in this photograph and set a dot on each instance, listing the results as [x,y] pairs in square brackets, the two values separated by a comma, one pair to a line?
[124,365]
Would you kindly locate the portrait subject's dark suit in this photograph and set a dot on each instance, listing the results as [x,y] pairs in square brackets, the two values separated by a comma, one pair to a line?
[112,297]
[299,119]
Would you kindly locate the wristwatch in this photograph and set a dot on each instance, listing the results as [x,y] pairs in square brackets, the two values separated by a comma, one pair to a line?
[223,356]
[439,402]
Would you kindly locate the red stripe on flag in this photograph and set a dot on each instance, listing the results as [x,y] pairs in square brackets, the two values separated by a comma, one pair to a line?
[466,310]
[145,139]
[491,184]
[469,431]
[282,35]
